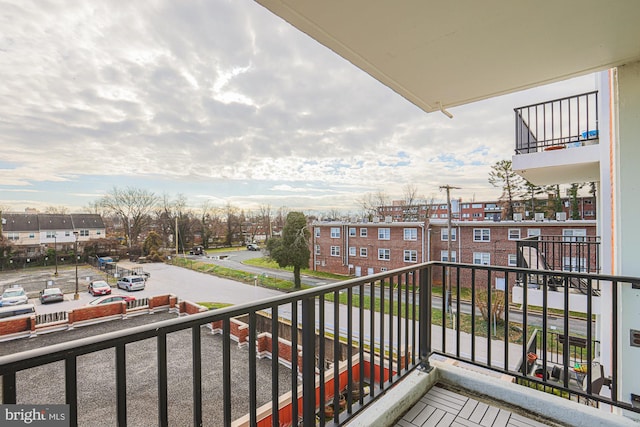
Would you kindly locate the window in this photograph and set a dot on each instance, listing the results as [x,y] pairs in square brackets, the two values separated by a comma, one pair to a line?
[466,215]
[98,233]
[383,269]
[477,214]
[444,256]
[335,250]
[410,256]
[444,234]
[352,231]
[435,215]
[384,233]
[51,234]
[13,236]
[352,251]
[514,234]
[574,264]
[67,233]
[384,254]
[444,215]
[533,232]
[84,233]
[574,234]
[410,234]
[481,235]
[317,249]
[335,232]
[32,235]
[363,232]
[477,205]
[481,258]
[465,206]
[513,260]
[317,231]
[363,252]
[443,207]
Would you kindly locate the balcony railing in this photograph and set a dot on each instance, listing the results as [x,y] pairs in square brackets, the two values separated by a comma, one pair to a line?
[561,123]
[345,344]
[561,253]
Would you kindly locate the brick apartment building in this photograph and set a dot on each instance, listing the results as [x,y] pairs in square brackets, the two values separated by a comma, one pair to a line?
[481,211]
[363,248]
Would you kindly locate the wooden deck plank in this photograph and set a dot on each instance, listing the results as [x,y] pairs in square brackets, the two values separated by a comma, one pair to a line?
[468,408]
[435,418]
[489,416]
[424,415]
[415,411]
[502,419]
[478,413]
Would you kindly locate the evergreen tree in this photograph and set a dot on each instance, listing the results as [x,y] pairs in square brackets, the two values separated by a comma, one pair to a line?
[292,249]
[504,177]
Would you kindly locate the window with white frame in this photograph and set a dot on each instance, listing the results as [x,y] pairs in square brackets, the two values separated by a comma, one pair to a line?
[435,215]
[13,236]
[384,254]
[363,252]
[383,269]
[67,233]
[335,232]
[444,215]
[481,258]
[317,231]
[514,234]
[410,256]
[477,214]
[444,234]
[363,232]
[98,233]
[444,256]
[481,234]
[352,231]
[384,233]
[513,260]
[32,235]
[317,249]
[84,233]
[352,251]
[533,232]
[574,264]
[574,234]
[476,205]
[51,234]
[410,234]
[335,250]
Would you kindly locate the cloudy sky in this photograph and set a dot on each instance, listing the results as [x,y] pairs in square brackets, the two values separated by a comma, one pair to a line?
[220,100]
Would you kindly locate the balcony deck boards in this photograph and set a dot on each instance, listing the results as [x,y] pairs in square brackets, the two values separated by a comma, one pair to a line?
[442,408]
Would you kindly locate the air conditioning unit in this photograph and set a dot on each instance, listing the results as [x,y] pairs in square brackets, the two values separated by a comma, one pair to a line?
[561,216]
[539,216]
[517,217]
[388,219]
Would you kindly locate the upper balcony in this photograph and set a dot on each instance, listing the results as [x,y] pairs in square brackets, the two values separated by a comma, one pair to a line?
[557,141]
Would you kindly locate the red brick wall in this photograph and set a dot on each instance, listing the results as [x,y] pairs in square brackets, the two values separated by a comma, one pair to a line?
[94,312]
[190,308]
[12,326]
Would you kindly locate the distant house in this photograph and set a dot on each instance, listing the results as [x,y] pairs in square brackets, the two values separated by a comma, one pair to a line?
[34,234]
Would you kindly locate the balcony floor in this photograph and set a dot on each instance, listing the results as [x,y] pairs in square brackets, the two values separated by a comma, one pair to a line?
[442,407]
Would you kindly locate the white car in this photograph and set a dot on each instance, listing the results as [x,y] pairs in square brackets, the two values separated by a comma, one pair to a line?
[14,296]
[132,283]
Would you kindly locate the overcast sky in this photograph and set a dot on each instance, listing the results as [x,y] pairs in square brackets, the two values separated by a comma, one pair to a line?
[221,101]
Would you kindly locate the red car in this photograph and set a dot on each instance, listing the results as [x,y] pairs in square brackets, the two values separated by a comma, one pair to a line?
[99,287]
[111,298]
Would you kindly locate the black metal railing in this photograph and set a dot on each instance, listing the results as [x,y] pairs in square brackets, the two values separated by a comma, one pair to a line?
[368,332]
[560,123]
[561,253]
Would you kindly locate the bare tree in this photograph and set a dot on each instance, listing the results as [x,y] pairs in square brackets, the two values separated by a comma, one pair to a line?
[93,208]
[410,210]
[132,206]
[62,210]
[372,202]
[264,211]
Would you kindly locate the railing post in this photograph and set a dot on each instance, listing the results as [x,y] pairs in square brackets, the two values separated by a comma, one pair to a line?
[308,362]
[425,319]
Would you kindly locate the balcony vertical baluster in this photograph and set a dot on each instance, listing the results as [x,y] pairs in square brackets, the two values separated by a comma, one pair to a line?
[196,355]
[71,388]
[163,380]
[322,358]
[295,408]
[226,369]
[489,312]
[336,354]
[275,366]
[253,378]
[308,362]
[121,384]
[391,325]
[456,327]
[382,335]
[349,347]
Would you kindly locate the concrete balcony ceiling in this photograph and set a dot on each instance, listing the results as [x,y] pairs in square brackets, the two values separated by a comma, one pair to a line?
[440,55]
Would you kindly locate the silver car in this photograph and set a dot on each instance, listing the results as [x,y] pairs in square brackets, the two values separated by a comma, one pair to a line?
[14,296]
[132,283]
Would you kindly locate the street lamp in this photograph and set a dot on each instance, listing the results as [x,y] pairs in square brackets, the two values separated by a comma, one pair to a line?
[55,251]
[75,253]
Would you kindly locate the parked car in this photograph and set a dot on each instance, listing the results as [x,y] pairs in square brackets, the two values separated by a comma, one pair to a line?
[132,283]
[99,287]
[253,247]
[51,295]
[111,298]
[14,296]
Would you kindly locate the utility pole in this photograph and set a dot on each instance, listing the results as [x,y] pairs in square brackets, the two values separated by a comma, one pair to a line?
[449,215]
